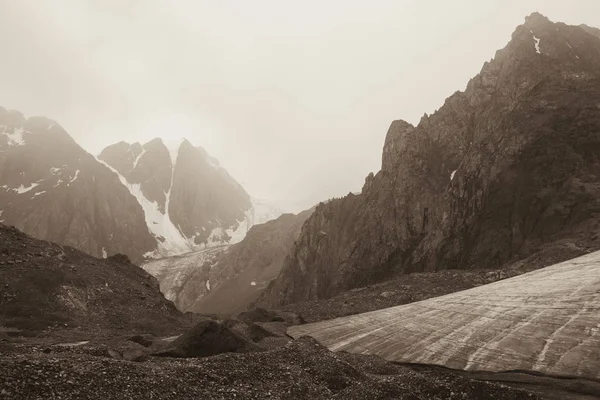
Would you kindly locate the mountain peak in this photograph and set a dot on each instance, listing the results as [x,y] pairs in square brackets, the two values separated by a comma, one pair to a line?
[590,29]
[396,136]
[536,19]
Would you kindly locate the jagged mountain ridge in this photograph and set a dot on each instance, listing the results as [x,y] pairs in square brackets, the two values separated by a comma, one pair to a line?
[53,189]
[131,200]
[499,170]
[189,201]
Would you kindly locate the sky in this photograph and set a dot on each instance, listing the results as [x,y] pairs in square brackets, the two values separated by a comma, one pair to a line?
[293,97]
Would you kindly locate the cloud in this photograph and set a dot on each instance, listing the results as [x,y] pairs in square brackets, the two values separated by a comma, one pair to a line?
[294,98]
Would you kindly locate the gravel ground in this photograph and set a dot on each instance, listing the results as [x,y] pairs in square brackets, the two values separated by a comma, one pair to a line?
[302,369]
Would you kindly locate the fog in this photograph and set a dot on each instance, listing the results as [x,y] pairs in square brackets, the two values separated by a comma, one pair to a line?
[293,98]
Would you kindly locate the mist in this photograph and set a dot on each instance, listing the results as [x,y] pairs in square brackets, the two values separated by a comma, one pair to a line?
[293,98]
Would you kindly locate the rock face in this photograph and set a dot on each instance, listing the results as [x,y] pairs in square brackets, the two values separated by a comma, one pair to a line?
[44,284]
[499,170]
[546,321]
[52,189]
[227,279]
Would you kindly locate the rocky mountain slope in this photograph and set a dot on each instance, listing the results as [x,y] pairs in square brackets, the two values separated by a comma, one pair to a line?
[500,170]
[544,321]
[47,286]
[246,269]
[303,369]
[227,279]
[189,200]
[53,189]
[139,200]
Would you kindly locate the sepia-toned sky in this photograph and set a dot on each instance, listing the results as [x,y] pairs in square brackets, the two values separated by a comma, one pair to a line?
[293,97]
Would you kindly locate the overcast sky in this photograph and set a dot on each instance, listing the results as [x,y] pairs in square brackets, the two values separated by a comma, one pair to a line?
[293,97]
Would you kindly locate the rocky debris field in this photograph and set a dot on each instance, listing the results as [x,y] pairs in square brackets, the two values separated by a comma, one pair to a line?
[302,369]
[257,361]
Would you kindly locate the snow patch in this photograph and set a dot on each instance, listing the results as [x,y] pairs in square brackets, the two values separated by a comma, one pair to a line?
[219,235]
[452,174]
[15,138]
[104,254]
[22,189]
[569,45]
[207,285]
[39,193]
[74,178]
[137,159]
[252,283]
[537,43]
[54,170]
[159,224]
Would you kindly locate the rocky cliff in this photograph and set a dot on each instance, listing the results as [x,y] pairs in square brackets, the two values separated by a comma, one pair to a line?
[504,167]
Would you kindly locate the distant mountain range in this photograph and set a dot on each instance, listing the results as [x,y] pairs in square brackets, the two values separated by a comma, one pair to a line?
[148,200]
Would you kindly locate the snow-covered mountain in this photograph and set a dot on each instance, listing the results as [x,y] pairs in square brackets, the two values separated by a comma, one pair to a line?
[189,201]
[148,200]
[53,189]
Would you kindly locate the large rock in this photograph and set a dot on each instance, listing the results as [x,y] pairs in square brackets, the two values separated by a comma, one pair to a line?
[208,338]
[498,171]
[545,321]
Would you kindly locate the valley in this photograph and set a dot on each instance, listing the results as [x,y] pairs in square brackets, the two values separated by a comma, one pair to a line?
[467,267]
